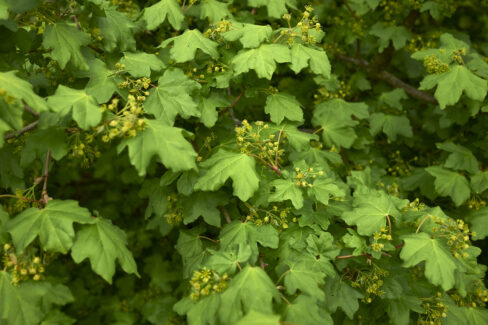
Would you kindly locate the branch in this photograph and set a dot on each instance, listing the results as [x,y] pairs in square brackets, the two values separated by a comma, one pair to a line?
[226,214]
[389,78]
[45,196]
[21,131]
[30,110]
[237,122]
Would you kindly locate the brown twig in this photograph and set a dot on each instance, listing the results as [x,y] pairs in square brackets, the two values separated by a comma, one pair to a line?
[45,196]
[30,110]
[389,78]
[216,241]
[226,214]
[74,16]
[422,222]
[234,102]
[389,224]
[26,128]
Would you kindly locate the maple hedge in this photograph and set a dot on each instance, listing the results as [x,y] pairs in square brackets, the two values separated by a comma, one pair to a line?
[243,162]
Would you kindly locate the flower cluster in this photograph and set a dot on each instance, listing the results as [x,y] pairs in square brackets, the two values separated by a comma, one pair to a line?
[379,236]
[278,217]
[251,141]
[128,6]
[478,296]
[22,268]
[419,43]
[456,232]
[83,148]
[216,30]
[398,166]
[434,65]
[342,91]
[435,310]
[476,202]
[415,205]
[371,282]
[129,120]
[302,29]
[205,282]
[457,56]
[175,212]
[302,177]
[392,9]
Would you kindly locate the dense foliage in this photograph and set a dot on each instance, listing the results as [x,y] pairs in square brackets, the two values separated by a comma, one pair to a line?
[243,162]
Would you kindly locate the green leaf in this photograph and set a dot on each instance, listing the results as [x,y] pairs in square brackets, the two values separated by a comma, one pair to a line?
[399,309]
[281,105]
[186,45]
[245,233]
[4,127]
[158,198]
[353,240]
[258,318]
[205,204]
[227,261]
[4,9]
[478,220]
[399,35]
[439,262]
[262,59]
[276,8]
[172,97]
[11,174]
[82,106]
[286,189]
[202,312]
[42,140]
[17,307]
[251,289]
[340,294]
[370,212]
[305,311]
[57,317]
[140,64]
[304,276]
[226,164]
[448,183]
[250,36]
[303,56]
[102,82]
[4,218]
[66,42]
[21,89]
[323,188]
[10,115]
[335,118]
[214,10]
[393,98]
[156,14]
[209,108]
[461,158]
[159,139]
[479,181]
[451,84]
[392,125]
[53,225]
[299,140]
[103,243]
[117,30]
